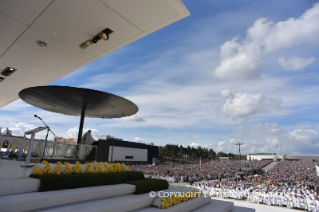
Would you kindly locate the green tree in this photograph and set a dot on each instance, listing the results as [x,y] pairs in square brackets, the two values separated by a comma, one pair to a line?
[221,154]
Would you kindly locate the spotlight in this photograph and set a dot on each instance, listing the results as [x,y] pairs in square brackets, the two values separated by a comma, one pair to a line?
[96,38]
[8,71]
[102,35]
[86,44]
[41,43]
[106,33]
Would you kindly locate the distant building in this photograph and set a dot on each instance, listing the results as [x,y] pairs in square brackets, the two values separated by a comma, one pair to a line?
[116,150]
[223,158]
[275,157]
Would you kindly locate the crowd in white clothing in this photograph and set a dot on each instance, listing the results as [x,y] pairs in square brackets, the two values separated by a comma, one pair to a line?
[292,184]
[297,197]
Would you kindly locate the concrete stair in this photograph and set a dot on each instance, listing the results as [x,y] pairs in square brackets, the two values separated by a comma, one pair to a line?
[216,206]
[185,206]
[242,209]
[114,198]
[19,193]
[18,186]
[38,200]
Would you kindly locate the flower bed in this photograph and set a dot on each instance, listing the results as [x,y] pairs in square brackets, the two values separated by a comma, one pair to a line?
[69,176]
[58,168]
[173,198]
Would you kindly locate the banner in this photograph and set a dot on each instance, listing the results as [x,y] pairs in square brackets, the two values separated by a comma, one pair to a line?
[317,168]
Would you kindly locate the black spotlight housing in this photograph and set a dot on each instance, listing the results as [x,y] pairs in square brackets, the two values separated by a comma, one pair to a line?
[102,35]
[8,71]
[96,38]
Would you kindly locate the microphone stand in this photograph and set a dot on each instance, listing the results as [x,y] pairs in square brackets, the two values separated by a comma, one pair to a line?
[46,137]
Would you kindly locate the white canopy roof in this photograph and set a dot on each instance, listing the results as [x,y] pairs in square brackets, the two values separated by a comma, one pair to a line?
[63,26]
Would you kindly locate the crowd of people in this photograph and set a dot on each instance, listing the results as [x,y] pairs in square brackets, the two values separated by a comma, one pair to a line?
[292,184]
[195,171]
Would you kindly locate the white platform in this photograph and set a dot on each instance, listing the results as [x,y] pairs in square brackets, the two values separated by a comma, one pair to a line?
[20,195]
[19,186]
[216,206]
[185,206]
[10,169]
[37,200]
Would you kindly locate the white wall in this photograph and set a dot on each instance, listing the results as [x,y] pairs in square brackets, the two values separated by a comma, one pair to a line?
[286,157]
[119,154]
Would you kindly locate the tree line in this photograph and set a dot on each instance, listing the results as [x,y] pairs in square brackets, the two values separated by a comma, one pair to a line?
[172,152]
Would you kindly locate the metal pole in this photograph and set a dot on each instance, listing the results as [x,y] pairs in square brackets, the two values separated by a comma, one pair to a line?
[239,154]
[81,126]
[112,150]
[45,143]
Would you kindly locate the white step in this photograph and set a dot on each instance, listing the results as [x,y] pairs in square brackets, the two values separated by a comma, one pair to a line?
[10,169]
[36,200]
[242,209]
[19,186]
[115,204]
[216,206]
[182,207]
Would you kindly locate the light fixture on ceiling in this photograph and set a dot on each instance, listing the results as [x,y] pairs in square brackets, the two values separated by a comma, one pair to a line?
[41,43]
[102,35]
[8,71]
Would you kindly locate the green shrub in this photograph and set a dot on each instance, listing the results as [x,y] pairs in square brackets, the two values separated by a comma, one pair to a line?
[70,181]
[147,185]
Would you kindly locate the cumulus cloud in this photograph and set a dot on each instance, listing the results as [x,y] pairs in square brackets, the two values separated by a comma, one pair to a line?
[135,118]
[303,134]
[139,140]
[239,61]
[242,60]
[18,129]
[191,136]
[194,144]
[73,133]
[241,105]
[295,63]
[221,146]
[271,137]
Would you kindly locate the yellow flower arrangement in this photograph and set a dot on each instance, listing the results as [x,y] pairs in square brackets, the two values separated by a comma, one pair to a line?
[164,202]
[58,168]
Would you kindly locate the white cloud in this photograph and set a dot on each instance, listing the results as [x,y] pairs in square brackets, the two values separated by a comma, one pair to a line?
[221,146]
[135,118]
[191,136]
[295,63]
[238,61]
[271,137]
[20,128]
[194,144]
[242,60]
[74,132]
[139,140]
[241,105]
[303,134]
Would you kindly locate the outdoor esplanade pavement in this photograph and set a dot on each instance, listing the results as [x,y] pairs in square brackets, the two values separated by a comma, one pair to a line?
[20,193]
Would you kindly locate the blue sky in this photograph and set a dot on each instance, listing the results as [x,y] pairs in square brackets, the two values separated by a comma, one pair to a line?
[232,71]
